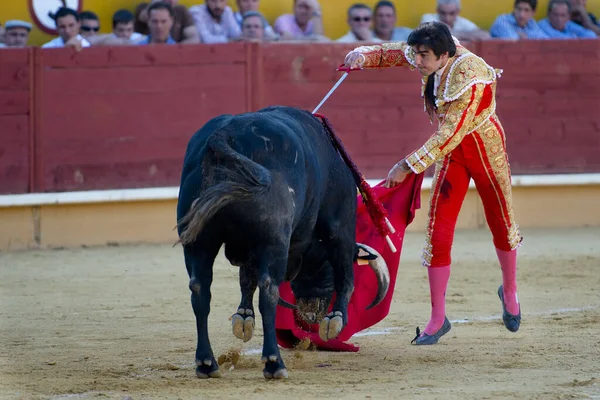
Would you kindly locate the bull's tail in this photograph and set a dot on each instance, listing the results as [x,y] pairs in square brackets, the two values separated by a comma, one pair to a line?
[240,179]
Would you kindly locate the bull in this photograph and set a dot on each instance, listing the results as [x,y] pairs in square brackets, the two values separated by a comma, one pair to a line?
[272,188]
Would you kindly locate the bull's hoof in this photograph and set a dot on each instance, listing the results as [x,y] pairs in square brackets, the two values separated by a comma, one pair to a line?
[242,324]
[331,326]
[275,369]
[207,369]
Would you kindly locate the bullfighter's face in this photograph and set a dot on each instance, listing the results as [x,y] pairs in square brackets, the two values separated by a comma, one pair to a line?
[426,60]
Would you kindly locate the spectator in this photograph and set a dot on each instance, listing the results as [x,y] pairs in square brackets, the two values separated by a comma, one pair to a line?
[215,22]
[385,23]
[17,33]
[122,23]
[360,19]
[448,12]
[1,36]
[245,6]
[254,27]
[67,25]
[520,24]
[90,24]
[183,31]
[558,24]
[581,16]
[123,34]
[305,23]
[160,23]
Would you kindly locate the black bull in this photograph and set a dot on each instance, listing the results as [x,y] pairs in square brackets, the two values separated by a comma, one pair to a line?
[271,186]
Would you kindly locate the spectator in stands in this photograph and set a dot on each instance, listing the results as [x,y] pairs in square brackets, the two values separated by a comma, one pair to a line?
[581,16]
[215,22]
[183,31]
[448,12]
[558,24]
[305,23]
[17,33]
[122,23]
[360,19]
[384,20]
[160,23]
[254,27]
[245,6]
[67,25]
[89,24]
[123,33]
[1,35]
[520,24]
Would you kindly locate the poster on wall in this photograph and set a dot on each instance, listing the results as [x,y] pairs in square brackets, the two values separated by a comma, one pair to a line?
[41,12]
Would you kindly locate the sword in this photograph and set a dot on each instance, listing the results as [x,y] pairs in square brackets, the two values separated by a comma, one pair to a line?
[347,71]
[339,82]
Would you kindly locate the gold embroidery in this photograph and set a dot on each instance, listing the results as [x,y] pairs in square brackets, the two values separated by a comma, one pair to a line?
[492,135]
[438,177]
[395,54]
[449,134]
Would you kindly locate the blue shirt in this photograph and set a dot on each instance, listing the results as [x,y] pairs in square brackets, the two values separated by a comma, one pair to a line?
[148,40]
[572,31]
[506,27]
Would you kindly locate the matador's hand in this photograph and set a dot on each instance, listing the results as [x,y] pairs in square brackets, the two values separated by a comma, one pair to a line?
[354,59]
[397,174]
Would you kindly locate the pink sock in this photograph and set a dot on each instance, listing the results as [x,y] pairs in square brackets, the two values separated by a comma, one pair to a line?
[438,281]
[508,263]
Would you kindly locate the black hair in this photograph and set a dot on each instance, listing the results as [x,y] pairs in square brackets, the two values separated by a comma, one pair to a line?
[63,12]
[358,6]
[437,37]
[384,3]
[532,3]
[161,5]
[122,17]
[552,3]
[88,15]
[433,35]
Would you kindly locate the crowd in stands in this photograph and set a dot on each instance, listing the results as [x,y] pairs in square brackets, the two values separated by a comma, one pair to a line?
[167,22]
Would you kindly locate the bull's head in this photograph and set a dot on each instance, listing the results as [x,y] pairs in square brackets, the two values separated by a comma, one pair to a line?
[314,291]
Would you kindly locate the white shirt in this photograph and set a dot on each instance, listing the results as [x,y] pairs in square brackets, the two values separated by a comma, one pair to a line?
[350,37]
[437,77]
[59,42]
[460,25]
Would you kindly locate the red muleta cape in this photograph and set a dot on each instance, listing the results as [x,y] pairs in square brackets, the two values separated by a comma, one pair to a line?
[401,203]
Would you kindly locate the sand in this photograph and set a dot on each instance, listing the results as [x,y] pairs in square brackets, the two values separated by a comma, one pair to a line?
[116,323]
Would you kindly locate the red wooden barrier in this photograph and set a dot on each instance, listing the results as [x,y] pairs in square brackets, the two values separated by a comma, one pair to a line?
[120,117]
[15,127]
[549,103]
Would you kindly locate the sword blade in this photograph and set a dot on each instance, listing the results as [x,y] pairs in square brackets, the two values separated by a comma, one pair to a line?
[339,82]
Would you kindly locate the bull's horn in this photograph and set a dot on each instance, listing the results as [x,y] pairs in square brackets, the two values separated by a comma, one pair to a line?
[285,304]
[382,273]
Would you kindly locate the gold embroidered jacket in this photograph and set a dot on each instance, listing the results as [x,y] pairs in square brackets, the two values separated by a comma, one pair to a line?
[465,98]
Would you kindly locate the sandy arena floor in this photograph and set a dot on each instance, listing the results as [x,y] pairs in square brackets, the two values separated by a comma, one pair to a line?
[116,323]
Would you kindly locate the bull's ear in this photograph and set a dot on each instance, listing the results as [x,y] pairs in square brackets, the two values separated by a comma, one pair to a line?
[364,255]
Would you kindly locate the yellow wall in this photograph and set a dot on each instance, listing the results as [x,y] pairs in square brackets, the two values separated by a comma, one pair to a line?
[483,12]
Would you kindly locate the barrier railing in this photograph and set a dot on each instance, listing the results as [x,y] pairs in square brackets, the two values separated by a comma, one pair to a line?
[115,118]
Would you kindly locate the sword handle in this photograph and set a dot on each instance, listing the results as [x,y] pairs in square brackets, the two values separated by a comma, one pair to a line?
[344,68]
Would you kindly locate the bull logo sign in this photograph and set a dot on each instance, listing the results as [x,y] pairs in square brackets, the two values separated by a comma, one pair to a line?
[41,12]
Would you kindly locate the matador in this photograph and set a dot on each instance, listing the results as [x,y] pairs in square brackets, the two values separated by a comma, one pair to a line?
[459,91]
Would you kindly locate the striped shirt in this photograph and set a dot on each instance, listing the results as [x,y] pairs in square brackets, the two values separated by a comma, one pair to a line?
[506,27]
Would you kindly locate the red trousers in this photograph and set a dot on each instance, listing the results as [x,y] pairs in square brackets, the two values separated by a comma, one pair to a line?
[481,155]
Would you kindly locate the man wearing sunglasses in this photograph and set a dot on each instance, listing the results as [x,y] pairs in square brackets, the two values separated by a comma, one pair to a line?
[360,20]
[90,24]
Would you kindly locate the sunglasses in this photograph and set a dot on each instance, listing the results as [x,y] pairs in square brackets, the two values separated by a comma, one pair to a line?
[358,19]
[90,28]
